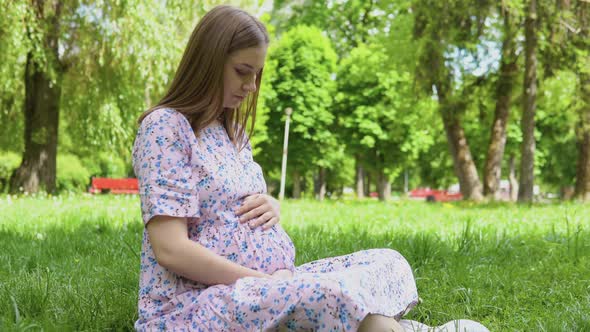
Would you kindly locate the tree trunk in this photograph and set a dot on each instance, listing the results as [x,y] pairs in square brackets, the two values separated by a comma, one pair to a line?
[387,190]
[583,168]
[368,185]
[406,181]
[513,179]
[321,183]
[462,161]
[582,191]
[37,170]
[527,163]
[383,186]
[360,177]
[508,68]
[296,185]
[440,78]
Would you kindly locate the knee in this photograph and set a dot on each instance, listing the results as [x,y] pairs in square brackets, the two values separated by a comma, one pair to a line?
[391,254]
[396,258]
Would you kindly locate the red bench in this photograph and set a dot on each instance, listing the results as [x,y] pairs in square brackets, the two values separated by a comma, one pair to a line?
[433,195]
[114,186]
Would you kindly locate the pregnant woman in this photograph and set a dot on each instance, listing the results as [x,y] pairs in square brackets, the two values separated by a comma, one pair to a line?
[214,256]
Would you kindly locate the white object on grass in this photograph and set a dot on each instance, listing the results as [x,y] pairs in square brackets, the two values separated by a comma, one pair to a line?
[458,325]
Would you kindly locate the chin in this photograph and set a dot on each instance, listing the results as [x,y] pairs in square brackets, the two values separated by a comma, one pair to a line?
[234,105]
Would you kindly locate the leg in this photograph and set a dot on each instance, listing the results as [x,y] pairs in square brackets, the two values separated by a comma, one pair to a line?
[379,323]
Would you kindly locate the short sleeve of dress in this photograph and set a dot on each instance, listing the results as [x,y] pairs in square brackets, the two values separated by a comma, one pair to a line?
[162,164]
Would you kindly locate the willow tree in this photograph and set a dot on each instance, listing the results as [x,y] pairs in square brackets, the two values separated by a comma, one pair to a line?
[93,64]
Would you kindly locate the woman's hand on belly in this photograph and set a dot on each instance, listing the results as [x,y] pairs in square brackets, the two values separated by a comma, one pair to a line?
[260,209]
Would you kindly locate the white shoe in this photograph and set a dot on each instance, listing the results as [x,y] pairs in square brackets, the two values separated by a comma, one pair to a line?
[458,325]
[414,326]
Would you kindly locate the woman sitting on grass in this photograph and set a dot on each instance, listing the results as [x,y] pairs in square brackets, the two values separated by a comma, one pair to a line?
[214,256]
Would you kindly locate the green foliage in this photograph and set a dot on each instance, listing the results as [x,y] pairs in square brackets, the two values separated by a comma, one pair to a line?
[341,176]
[104,164]
[112,82]
[556,125]
[266,92]
[13,47]
[117,58]
[9,161]
[347,23]
[304,62]
[380,118]
[71,174]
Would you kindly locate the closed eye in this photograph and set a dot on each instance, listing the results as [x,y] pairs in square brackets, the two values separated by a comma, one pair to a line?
[244,73]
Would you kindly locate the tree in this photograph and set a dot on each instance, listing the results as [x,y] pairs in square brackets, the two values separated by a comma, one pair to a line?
[562,107]
[504,86]
[527,162]
[346,23]
[440,26]
[582,43]
[379,116]
[85,60]
[43,77]
[304,62]
[11,83]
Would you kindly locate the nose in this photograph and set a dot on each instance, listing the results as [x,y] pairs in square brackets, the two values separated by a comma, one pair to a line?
[250,86]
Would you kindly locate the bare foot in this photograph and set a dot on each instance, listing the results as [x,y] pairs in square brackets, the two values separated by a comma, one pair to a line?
[379,323]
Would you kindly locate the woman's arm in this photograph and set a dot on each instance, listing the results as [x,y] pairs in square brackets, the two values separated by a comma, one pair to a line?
[176,252]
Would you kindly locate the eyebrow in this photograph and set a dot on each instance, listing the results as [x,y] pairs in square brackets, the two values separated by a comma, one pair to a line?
[247,65]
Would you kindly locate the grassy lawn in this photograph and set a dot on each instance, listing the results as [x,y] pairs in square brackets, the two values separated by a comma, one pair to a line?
[72,262]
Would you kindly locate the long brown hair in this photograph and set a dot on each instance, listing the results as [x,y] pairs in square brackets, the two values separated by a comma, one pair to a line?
[197,88]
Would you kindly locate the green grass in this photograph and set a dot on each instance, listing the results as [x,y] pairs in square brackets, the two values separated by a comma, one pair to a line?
[72,262]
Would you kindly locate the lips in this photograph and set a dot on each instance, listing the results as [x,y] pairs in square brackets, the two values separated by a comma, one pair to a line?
[240,97]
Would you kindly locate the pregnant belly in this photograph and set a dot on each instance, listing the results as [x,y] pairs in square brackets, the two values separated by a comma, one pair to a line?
[262,250]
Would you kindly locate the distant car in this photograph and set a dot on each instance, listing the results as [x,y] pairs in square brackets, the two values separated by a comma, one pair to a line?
[435,195]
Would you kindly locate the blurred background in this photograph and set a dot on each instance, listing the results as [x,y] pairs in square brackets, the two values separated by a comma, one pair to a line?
[481,99]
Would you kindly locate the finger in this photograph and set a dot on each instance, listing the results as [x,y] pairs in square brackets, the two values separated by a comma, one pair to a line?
[260,220]
[244,207]
[254,213]
[252,197]
[258,200]
[273,221]
[249,203]
[249,215]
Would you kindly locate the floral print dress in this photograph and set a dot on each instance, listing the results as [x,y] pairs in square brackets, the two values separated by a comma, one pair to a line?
[204,178]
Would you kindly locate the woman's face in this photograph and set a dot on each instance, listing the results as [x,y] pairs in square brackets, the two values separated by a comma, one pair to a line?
[240,73]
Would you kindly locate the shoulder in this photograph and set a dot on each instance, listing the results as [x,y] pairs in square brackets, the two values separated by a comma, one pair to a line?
[166,121]
[165,127]
[165,117]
